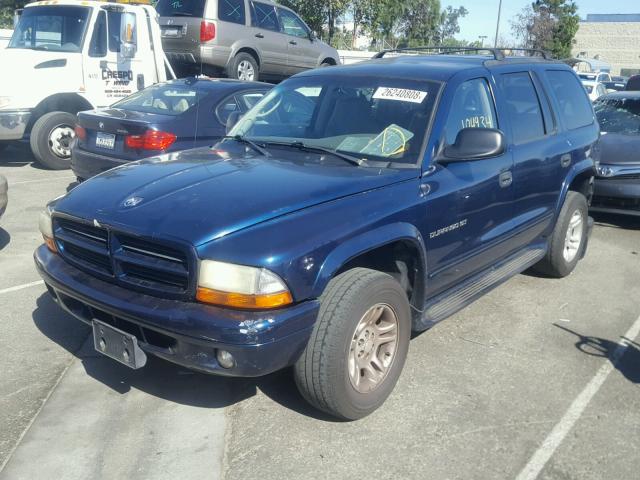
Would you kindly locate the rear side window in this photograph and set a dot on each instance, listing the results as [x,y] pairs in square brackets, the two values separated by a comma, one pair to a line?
[231,11]
[180,8]
[264,16]
[523,107]
[162,99]
[472,107]
[575,108]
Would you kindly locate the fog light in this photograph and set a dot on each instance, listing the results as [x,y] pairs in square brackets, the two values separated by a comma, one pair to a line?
[225,359]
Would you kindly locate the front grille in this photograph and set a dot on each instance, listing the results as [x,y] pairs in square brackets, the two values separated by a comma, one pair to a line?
[625,176]
[149,266]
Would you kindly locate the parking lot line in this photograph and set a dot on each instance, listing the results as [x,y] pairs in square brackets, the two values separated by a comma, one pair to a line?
[21,287]
[562,428]
[42,180]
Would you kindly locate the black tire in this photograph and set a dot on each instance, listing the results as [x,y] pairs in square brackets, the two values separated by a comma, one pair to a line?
[554,264]
[41,147]
[321,373]
[326,64]
[235,64]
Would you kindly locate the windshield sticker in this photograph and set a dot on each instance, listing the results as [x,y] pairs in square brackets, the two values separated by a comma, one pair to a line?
[391,141]
[400,94]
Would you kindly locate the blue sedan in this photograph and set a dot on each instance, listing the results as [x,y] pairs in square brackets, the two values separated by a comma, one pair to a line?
[172,116]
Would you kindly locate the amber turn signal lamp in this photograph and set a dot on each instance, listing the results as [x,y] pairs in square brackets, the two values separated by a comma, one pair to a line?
[243,301]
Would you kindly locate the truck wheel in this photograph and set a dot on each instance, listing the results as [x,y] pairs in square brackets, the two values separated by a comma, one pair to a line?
[358,346]
[244,67]
[568,239]
[51,138]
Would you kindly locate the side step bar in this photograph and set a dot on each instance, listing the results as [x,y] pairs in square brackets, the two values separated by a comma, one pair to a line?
[458,297]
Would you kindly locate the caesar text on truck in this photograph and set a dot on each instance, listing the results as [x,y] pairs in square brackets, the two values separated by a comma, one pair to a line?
[69,56]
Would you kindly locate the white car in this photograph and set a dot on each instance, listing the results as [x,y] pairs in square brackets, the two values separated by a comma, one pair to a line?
[594,89]
[595,76]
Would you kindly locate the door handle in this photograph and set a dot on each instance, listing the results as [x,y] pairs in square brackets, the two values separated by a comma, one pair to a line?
[293,42]
[565,160]
[505,179]
[259,35]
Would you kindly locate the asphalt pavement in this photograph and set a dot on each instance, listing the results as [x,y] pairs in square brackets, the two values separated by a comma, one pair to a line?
[539,379]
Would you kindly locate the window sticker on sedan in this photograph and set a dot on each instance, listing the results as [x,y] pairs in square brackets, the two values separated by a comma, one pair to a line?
[400,94]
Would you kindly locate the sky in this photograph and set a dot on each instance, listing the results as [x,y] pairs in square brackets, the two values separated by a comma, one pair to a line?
[483,14]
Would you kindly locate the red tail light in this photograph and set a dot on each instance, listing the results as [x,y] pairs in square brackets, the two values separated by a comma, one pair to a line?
[150,140]
[81,133]
[207,31]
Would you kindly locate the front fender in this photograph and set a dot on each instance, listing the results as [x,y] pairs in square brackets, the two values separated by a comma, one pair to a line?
[363,243]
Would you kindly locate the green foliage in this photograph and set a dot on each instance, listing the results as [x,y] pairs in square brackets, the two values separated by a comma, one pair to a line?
[7,7]
[548,25]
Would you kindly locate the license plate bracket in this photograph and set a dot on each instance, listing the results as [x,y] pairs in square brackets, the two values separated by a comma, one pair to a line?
[105,140]
[118,345]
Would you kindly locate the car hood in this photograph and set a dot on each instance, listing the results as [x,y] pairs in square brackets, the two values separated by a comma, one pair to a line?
[198,196]
[617,149]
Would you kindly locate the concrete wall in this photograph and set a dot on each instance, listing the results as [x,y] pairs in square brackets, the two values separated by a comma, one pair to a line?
[617,43]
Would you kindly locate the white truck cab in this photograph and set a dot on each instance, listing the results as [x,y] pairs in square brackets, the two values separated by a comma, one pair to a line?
[66,56]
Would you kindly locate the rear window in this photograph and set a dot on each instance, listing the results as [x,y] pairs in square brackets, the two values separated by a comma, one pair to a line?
[180,8]
[575,108]
[231,11]
[162,99]
[619,115]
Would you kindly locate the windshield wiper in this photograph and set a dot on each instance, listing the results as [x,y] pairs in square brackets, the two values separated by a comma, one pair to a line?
[358,162]
[246,141]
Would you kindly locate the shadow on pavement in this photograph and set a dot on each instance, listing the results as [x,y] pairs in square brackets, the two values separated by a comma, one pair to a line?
[627,222]
[160,378]
[5,238]
[18,155]
[628,364]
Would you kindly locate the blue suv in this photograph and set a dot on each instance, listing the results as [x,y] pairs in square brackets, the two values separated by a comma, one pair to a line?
[351,206]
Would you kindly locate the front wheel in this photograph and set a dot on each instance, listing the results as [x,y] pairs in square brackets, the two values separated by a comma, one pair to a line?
[51,140]
[358,346]
[569,238]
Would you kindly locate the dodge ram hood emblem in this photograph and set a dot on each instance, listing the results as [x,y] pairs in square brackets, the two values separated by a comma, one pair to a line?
[132,201]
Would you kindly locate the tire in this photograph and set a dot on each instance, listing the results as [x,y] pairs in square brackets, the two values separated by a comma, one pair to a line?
[322,373]
[244,61]
[556,263]
[53,154]
[326,64]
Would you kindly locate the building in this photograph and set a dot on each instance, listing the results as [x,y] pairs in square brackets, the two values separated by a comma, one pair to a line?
[611,38]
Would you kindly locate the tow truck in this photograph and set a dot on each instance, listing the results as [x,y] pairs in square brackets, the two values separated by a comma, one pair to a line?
[66,56]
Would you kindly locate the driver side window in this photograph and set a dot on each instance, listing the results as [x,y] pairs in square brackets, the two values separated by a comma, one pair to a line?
[472,107]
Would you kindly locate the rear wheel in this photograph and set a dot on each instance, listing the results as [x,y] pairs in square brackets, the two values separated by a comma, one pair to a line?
[358,346]
[51,140]
[568,239]
[244,67]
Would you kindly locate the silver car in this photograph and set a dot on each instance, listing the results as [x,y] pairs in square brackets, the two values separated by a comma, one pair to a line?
[244,39]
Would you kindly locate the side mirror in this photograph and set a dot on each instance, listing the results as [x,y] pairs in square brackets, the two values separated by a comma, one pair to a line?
[128,47]
[312,35]
[232,119]
[475,144]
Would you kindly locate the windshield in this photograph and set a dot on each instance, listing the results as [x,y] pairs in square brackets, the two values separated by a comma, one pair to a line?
[368,118]
[162,99]
[619,115]
[59,28]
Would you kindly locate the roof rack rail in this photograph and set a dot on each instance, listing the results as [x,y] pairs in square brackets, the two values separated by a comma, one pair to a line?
[498,53]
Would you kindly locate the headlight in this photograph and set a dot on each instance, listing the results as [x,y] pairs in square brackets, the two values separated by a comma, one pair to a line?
[239,286]
[45,226]
[4,101]
[604,170]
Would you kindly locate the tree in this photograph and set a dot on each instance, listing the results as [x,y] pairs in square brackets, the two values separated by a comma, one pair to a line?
[547,25]
[449,22]
[421,22]
[7,7]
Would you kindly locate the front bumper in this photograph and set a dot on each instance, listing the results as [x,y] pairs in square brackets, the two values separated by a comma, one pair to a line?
[617,195]
[13,124]
[88,164]
[186,333]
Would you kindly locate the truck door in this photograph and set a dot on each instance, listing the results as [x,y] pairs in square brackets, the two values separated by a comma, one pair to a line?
[110,74]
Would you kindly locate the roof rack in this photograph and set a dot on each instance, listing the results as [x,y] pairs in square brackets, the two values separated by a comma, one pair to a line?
[498,53]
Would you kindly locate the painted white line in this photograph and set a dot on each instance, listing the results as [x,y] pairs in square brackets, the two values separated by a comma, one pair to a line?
[562,428]
[20,287]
